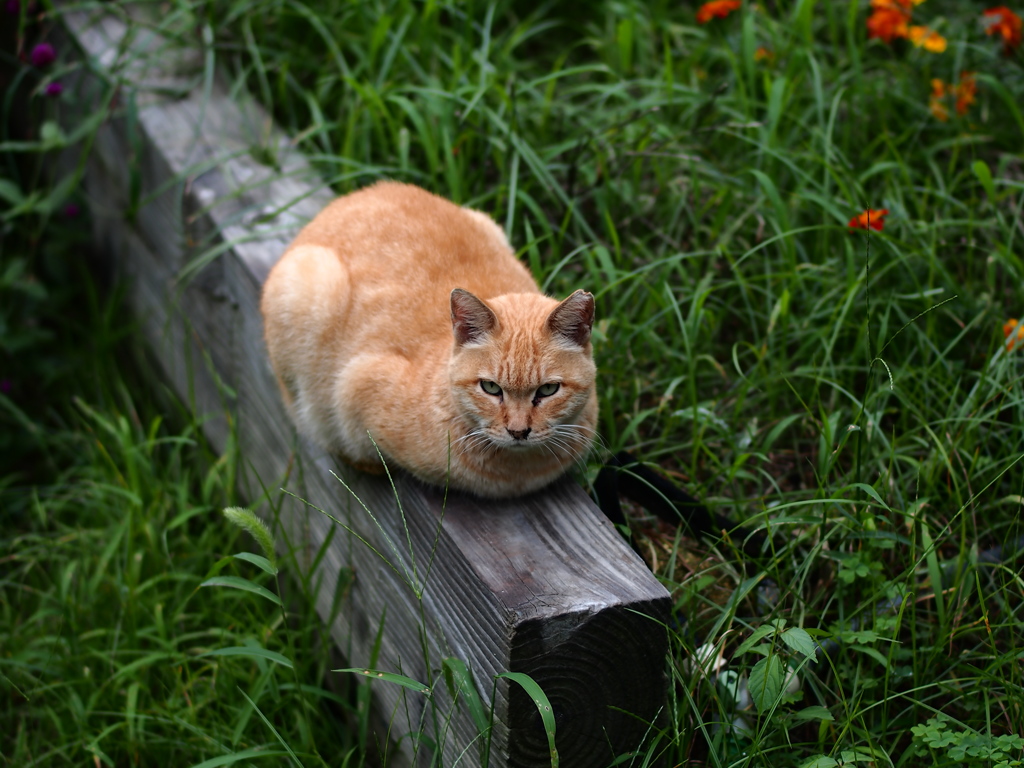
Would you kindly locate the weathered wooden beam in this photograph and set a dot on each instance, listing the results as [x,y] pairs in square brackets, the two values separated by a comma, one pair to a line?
[542,585]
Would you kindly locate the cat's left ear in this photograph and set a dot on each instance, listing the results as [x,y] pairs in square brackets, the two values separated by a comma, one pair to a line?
[573,318]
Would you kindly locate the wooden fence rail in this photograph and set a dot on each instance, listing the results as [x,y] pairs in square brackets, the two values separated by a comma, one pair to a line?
[542,585]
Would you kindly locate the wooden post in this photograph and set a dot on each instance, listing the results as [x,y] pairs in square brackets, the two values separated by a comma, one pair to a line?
[542,585]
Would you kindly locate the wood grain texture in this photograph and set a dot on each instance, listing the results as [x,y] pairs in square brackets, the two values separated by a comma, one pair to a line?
[542,585]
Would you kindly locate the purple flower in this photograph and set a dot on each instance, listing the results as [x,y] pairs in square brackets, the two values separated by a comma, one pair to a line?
[13,7]
[6,386]
[54,89]
[71,210]
[42,55]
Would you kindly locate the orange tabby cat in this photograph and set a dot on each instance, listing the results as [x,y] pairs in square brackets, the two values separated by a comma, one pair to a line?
[399,316]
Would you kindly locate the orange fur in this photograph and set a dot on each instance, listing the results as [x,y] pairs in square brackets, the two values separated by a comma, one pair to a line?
[392,315]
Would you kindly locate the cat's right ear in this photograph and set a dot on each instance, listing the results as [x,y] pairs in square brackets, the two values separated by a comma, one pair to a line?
[471,318]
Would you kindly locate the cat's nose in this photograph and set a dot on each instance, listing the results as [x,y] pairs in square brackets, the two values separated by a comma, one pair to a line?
[518,434]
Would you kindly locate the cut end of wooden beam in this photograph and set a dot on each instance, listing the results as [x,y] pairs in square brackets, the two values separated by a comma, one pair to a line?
[604,675]
[584,617]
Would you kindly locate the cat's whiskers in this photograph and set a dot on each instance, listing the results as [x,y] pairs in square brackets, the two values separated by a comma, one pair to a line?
[563,444]
[550,450]
[479,441]
[473,434]
[584,434]
[575,441]
[592,438]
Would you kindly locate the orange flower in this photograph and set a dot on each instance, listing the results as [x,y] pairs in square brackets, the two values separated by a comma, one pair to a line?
[936,103]
[887,22]
[870,219]
[763,54]
[1001,20]
[890,19]
[929,39]
[1013,330]
[716,8]
[964,93]
[906,5]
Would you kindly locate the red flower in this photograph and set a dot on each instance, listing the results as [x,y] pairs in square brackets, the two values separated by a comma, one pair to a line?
[1007,24]
[870,219]
[716,9]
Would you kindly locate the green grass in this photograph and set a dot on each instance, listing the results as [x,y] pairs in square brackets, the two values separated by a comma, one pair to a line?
[849,392]
[112,520]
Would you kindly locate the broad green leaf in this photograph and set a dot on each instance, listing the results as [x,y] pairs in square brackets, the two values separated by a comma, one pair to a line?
[870,652]
[765,683]
[864,636]
[801,642]
[248,754]
[759,634]
[52,136]
[244,584]
[814,713]
[10,192]
[981,170]
[821,761]
[259,561]
[858,755]
[389,677]
[540,699]
[870,492]
[251,652]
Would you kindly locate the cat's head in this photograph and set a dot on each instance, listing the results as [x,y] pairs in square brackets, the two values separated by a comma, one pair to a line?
[522,372]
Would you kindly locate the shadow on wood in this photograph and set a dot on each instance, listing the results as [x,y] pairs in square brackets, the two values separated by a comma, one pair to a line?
[542,585]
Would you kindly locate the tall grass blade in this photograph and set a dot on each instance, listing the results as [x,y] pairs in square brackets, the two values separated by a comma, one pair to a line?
[540,700]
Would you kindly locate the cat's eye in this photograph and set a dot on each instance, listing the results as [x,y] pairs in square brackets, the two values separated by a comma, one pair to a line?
[490,387]
[546,390]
